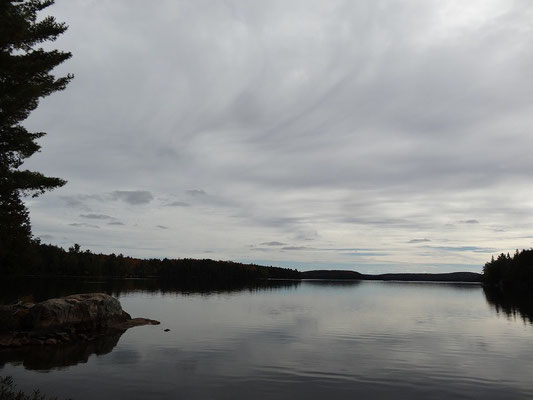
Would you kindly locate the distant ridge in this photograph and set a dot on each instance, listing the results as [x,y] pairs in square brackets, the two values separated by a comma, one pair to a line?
[416,277]
[331,274]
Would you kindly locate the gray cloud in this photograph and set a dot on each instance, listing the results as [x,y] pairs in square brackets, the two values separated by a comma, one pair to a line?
[470,221]
[95,216]
[162,227]
[419,240]
[306,235]
[115,223]
[84,225]
[273,244]
[46,237]
[367,254]
[474,249]
[73,202]
[196,193]
[80,200]
[133,197]
[178,204]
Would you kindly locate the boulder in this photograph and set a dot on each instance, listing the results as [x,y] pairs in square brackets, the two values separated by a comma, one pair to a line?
[80,311]
[78,316]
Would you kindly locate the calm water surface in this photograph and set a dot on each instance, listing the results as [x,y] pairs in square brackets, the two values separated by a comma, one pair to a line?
[308,340]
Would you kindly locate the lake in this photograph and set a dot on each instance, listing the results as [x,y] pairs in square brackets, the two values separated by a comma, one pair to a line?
[290,340]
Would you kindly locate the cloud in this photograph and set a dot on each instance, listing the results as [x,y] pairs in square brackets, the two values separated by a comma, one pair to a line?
[273,244]
[178,204]
[196,193]
[296,248]
[306,235]
[46,237]
[474,249]
[72,201]
[419,240]
[162,227]
[80,200]
[83,225]
[367,254]
[95,216]
[341,124]
[115,223]
[133,197]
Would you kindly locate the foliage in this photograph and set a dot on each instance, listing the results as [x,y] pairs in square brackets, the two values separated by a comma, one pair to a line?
[25,78]
[8,391]
[49,260]
[506,270]
[14,229]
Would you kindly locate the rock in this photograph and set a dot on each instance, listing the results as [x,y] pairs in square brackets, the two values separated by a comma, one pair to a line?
[85,311]
[166,330]
[137,322]
[80,316]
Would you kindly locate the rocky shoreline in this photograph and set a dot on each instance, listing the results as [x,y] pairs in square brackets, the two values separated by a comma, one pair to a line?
[79,317]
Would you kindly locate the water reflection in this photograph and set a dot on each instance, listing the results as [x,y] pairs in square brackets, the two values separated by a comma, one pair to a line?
[292,340]
[39,289]
[456,286]
[46,358]
[332,283]
[511,303]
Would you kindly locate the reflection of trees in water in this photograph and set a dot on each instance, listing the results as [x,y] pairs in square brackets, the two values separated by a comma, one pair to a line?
[332,283]
[45,358]
[48,357]
[39,289]
[511,302]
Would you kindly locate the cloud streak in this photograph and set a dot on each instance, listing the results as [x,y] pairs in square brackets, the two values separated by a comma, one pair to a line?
[95,216]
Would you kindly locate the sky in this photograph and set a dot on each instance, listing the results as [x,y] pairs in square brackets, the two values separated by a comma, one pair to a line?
[377,136]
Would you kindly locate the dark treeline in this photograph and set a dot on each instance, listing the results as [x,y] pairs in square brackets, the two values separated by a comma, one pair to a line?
[48,260]
[507,271]
[53,261]
[425,277]
[415,277]
[331,274]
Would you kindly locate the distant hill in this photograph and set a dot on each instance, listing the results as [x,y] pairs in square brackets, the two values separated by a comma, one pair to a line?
[417,277]
[445,277]
[330,274]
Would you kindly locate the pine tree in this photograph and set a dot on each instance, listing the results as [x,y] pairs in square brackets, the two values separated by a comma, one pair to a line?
[25,78]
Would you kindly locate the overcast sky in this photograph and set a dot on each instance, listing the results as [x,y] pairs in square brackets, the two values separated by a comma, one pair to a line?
[379,136]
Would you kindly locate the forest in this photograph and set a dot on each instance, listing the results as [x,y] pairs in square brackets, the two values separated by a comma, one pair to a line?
[49,260]
[510,271]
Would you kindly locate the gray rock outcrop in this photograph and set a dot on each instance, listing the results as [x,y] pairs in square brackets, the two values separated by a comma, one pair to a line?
[79,316]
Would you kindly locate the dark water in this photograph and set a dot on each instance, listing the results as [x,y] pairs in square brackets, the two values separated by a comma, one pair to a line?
[309,340]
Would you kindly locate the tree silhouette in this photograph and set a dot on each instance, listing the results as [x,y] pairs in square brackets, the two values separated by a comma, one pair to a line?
[510,271]
[25,78]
